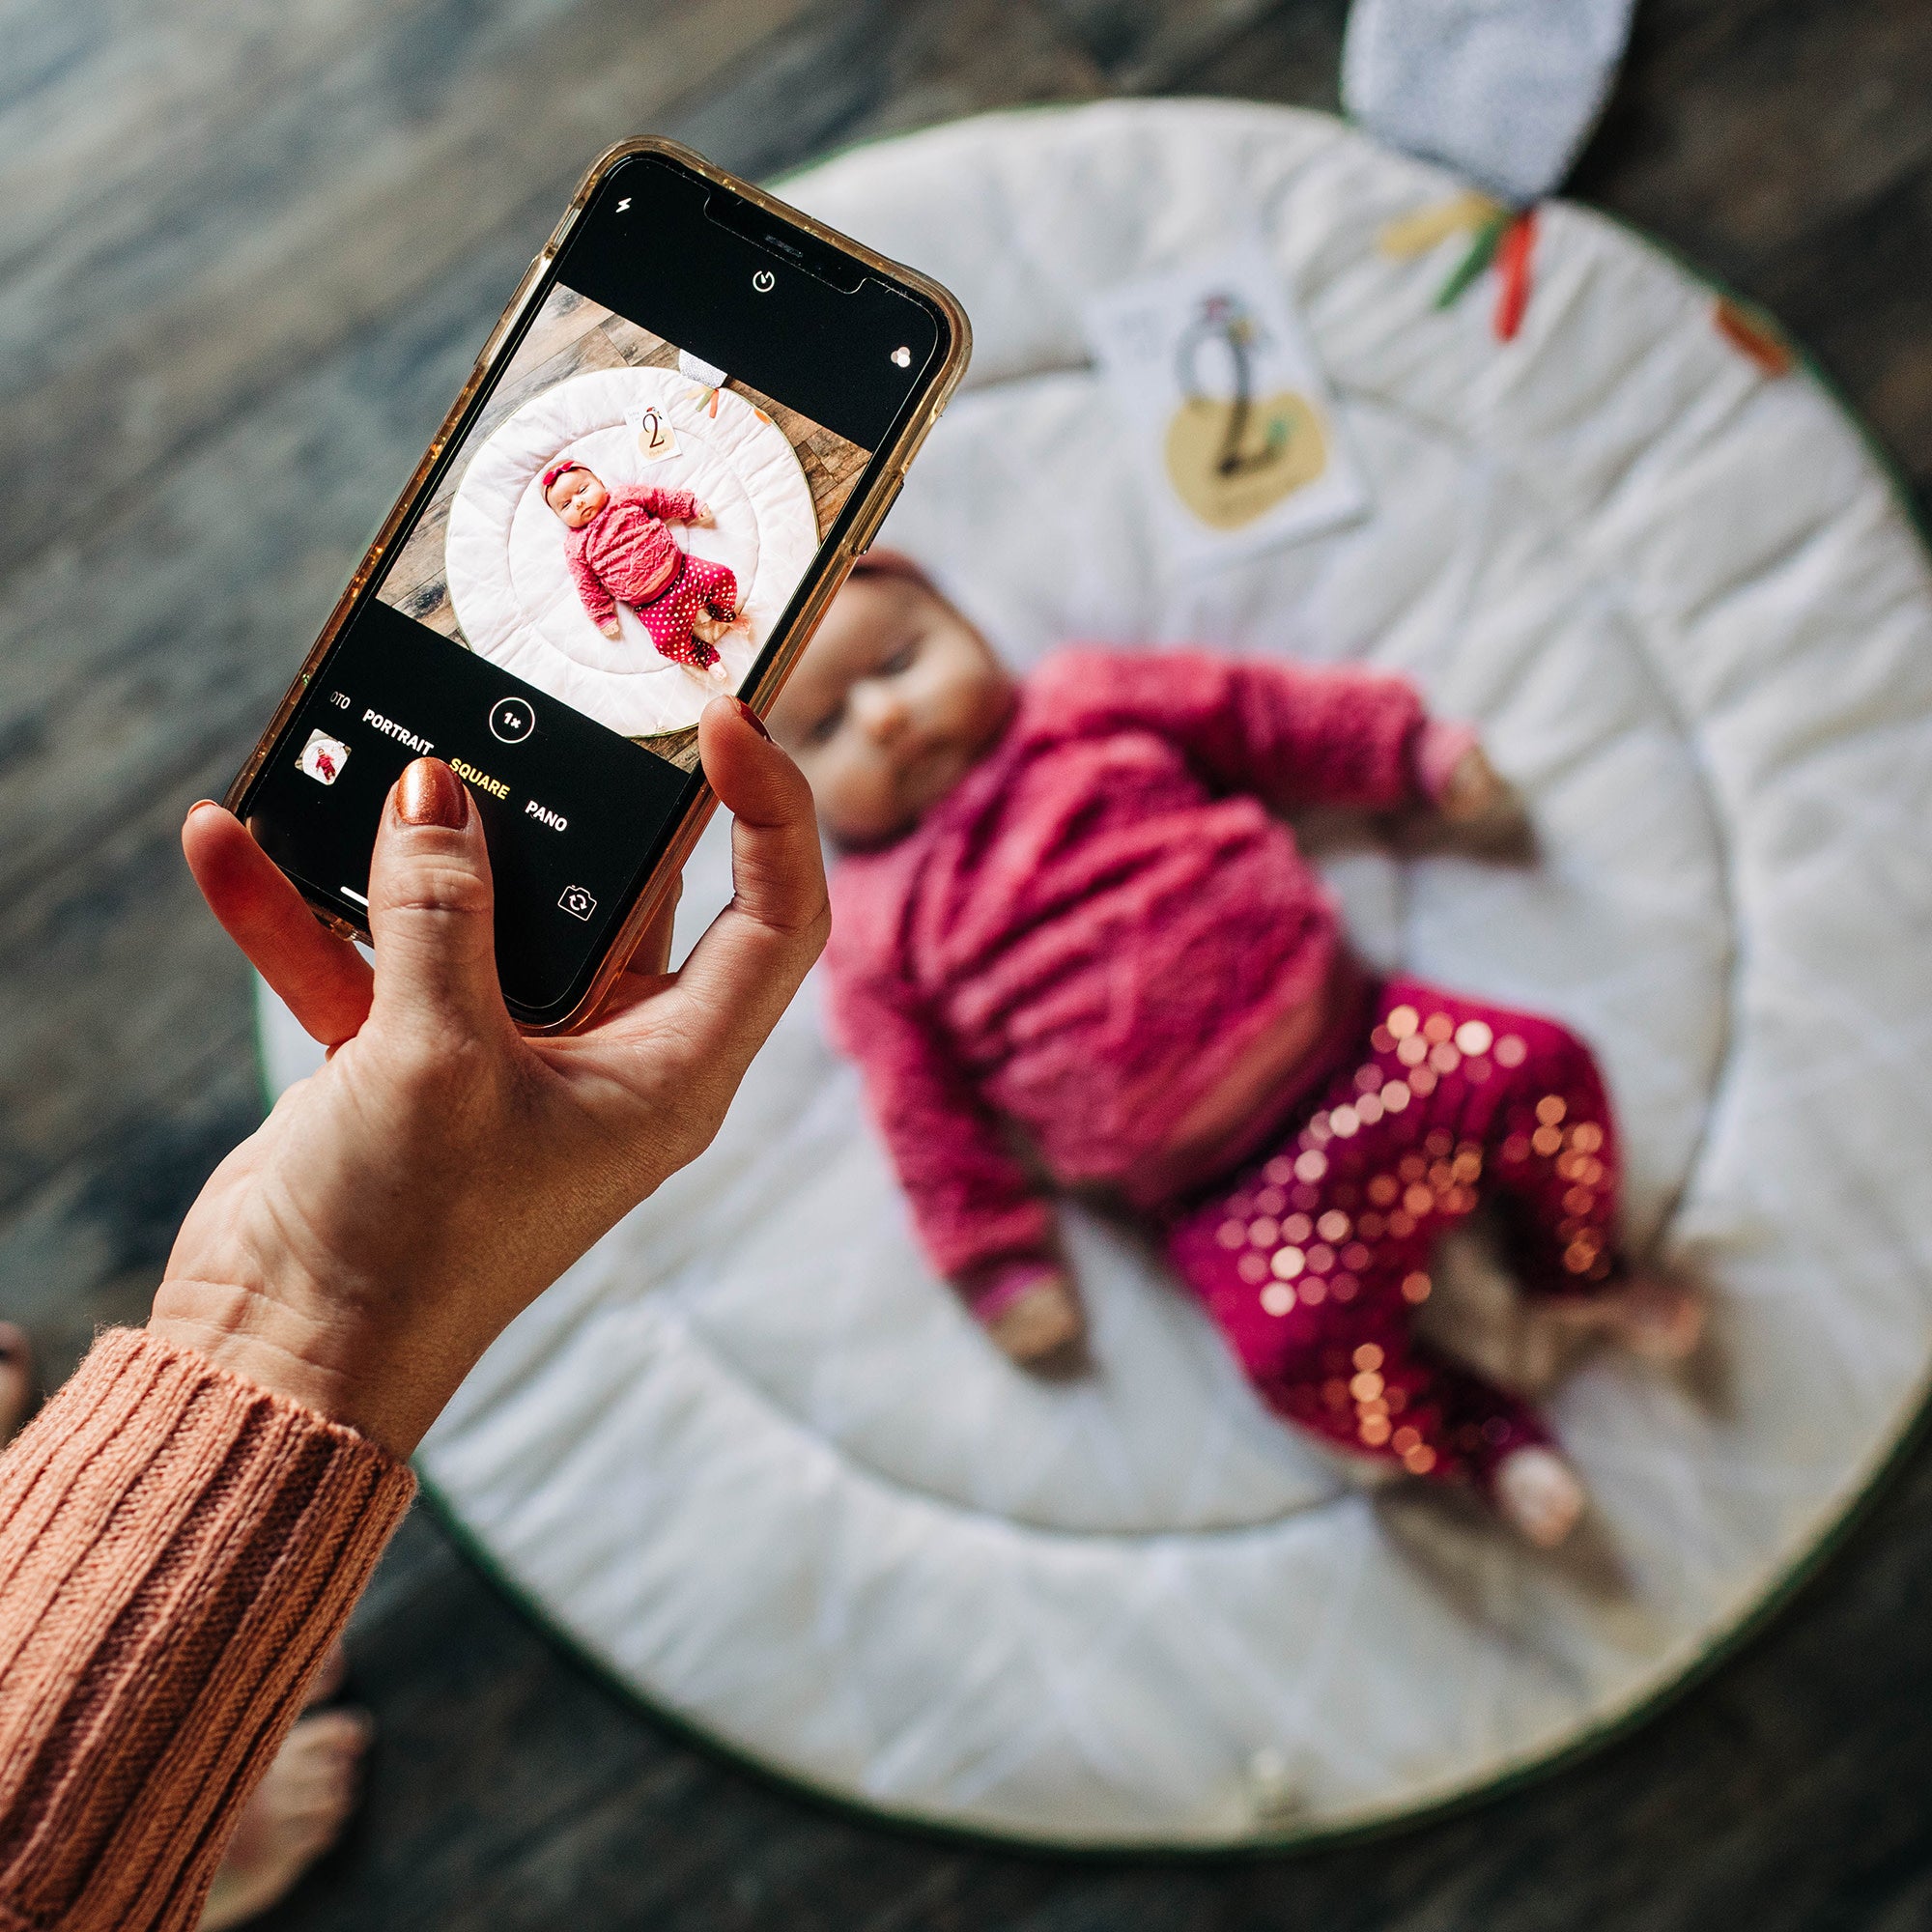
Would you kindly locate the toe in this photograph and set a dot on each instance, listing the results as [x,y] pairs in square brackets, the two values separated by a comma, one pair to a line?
[1540,1496]
[1667,1321]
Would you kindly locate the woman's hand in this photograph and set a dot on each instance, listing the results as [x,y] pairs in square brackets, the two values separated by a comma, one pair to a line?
[397,1209]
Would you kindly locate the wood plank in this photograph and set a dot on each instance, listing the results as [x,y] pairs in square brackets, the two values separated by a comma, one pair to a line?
[183,326]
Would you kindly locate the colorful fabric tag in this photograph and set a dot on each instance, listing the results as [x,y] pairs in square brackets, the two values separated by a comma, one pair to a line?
[1231,416]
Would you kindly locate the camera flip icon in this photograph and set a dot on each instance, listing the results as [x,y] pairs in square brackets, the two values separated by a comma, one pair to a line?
[577,903]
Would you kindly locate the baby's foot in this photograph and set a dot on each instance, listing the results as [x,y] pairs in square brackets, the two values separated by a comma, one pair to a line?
[296,1811]
[1660,1319]
[17,1380]
[1539,1496]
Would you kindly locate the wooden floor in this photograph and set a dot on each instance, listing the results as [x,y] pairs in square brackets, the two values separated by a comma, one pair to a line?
[246,254]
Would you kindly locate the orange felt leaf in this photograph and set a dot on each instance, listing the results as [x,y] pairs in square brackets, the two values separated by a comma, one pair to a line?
[1752,336]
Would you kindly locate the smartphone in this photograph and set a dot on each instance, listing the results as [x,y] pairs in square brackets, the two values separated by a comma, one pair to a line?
[693,414]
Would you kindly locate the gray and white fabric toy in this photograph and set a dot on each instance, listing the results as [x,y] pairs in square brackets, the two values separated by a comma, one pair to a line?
[1504,91]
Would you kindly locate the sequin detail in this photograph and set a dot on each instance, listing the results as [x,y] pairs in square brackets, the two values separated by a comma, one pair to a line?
[1446,1102]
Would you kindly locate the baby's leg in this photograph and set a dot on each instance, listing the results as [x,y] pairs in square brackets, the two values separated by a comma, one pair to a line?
[1525,1102]
[716,587]
[667,618]
[1318,1309]
[1533,1131]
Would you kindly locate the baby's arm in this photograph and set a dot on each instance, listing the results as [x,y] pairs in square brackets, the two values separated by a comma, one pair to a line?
[980,1218]
[1293,733]
[674,506]
[599,606]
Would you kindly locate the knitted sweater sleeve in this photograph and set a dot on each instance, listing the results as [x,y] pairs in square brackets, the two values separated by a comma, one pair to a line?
[680,506]
[1292,733]
[975,1208]
[597,604]
[178,1549]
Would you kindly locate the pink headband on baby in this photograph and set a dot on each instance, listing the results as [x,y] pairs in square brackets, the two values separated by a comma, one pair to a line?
[556,470]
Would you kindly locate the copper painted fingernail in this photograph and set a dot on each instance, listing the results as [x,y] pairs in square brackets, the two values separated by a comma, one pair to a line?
[432,794]
[750,718]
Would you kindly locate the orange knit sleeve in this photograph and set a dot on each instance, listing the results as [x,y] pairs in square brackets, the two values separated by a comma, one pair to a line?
[178,1549]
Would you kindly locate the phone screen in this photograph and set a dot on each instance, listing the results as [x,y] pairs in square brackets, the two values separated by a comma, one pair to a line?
[616,532]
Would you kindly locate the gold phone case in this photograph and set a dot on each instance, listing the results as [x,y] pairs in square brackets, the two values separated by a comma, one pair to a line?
[819,586]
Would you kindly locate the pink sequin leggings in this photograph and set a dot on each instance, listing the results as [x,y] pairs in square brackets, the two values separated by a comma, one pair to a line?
[1315,1260]
[699,585]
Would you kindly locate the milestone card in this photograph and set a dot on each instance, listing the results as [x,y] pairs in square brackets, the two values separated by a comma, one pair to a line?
[656,438]
[1232,421]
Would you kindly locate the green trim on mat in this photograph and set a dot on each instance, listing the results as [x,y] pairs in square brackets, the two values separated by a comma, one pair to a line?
[1778,1596]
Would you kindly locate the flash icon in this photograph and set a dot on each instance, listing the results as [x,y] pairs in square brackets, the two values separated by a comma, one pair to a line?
[624,204]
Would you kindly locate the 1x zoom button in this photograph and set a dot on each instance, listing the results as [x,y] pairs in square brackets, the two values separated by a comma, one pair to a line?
[512,720]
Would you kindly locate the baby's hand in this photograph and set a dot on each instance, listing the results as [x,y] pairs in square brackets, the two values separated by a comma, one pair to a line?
[1475,789]
[1041,1327]
[701,514]
[611,628]
[1482,805]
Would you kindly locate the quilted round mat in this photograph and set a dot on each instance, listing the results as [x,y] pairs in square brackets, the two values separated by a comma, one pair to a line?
[505,557]
[753,1462]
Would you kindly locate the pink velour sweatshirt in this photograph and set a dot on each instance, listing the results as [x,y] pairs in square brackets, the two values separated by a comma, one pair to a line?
[1086,936]
[624,551]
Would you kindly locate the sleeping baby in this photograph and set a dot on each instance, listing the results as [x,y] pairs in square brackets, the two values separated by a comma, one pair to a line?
[1075,948]
[620,552]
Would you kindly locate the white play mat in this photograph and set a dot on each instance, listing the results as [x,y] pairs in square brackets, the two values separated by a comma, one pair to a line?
[509,574]
[753,1462]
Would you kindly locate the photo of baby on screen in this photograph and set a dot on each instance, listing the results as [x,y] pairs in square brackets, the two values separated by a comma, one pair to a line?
[620,549]
[624,524]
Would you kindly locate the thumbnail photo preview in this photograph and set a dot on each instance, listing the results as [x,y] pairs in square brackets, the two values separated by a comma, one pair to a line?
[624,524]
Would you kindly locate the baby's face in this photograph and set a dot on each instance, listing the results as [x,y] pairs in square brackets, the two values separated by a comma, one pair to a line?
[895,701]
[576,496]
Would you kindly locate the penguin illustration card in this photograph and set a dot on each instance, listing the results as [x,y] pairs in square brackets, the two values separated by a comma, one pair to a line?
[1231,416]
[656,438]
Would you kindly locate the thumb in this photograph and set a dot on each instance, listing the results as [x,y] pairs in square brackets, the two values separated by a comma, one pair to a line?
[432,908]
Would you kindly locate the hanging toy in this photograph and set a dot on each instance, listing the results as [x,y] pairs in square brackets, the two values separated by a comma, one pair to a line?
[1514,252]
[1500,236]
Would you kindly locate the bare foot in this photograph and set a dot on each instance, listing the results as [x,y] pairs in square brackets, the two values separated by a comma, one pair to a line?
[708,630]
[1539,1496]
[1041,1329]
[296,1811]
[17,1380]
[1660,1319]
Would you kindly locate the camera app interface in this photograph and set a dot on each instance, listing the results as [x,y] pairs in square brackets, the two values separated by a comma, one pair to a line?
[613,542]
[624,527]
